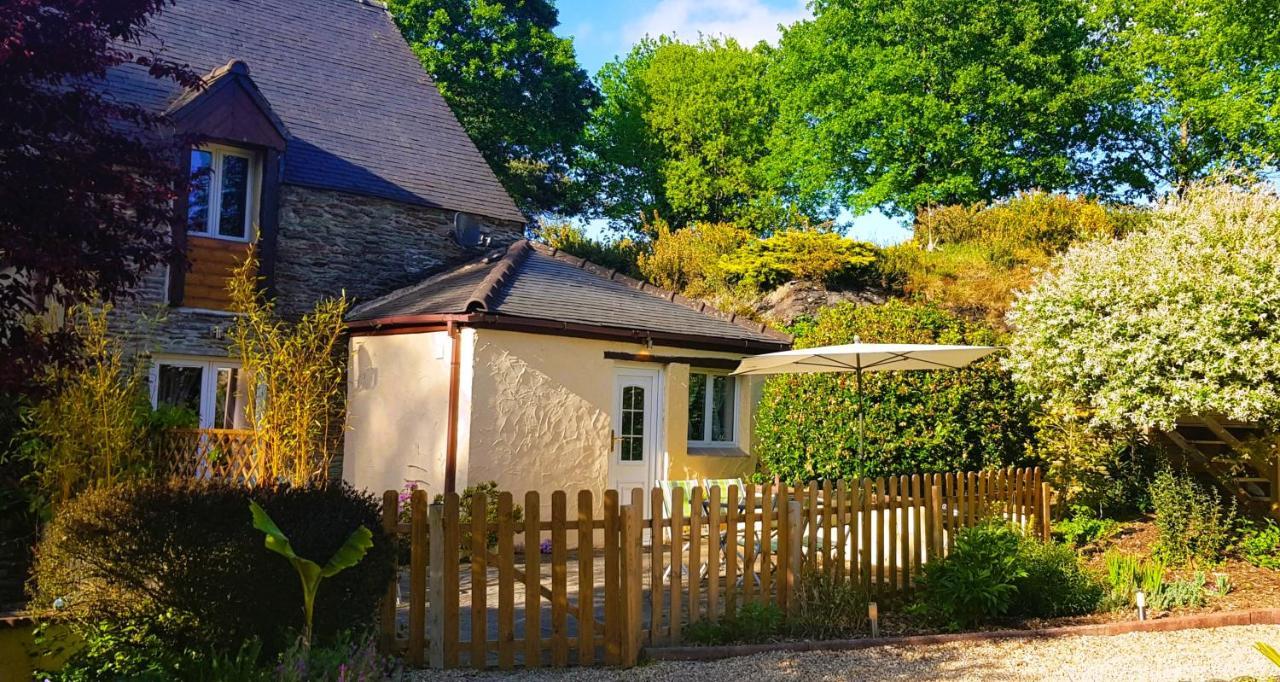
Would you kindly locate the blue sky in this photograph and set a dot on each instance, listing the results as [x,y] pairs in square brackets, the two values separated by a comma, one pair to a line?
[605,29]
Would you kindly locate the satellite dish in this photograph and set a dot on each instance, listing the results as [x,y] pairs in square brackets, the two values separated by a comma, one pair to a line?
[466,229]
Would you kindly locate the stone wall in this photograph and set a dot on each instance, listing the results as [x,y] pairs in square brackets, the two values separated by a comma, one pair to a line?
[331,241]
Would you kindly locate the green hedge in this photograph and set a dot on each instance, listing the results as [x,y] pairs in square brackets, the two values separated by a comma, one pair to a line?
[184,563]
[807,425]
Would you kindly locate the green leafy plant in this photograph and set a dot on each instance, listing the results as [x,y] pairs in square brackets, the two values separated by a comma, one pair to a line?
[1193,522]
[300,368]
[348,658]
[489,491]
[309,572]
[1084,527]
[812,255]
[752,622]
[828,607]
[1176,594]
[977,581]
[1260,545]
[91,429]
[1127,573]
[1056,582]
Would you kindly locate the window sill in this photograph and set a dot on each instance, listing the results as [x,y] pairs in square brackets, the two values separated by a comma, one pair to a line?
[218,237]
[716,451]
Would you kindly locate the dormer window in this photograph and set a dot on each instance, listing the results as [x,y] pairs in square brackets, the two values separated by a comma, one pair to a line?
[224,192]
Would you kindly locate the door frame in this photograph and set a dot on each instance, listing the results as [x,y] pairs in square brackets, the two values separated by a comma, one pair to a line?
[657,463]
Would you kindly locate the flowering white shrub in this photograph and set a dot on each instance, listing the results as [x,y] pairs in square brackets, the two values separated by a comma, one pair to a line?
[1181,318]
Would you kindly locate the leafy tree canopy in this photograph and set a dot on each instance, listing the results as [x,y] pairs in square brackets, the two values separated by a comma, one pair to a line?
[920,102]
[682,132]
[1177,319]
[1202,85]
[515,86]
[85,192]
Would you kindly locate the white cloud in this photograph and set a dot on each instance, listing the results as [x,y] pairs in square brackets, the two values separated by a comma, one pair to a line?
[749,21]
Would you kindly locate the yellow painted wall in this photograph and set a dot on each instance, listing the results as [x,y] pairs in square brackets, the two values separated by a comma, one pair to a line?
[541,416]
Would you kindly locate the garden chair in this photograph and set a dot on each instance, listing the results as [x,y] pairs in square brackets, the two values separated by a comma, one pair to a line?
[724,484]
[668,488]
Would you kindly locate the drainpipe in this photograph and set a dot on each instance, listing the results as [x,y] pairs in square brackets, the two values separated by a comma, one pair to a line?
[451,439]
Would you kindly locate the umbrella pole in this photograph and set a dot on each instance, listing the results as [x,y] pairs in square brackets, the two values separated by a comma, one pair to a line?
[861,410]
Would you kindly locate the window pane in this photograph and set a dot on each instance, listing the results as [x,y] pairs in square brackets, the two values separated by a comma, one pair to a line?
[179,386]
[229,400]
[235,196]
[697,407]
[632,436]
[722,408]
[198,200]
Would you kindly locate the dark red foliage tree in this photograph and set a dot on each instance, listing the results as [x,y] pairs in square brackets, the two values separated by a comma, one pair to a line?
[86,182]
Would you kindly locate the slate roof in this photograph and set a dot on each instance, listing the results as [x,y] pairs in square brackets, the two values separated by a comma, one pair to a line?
[534,281]
[363,115]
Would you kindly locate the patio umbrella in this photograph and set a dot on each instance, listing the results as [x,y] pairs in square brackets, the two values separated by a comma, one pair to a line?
[861,357]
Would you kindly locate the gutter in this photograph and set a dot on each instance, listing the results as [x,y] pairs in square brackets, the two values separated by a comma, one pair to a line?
[455,380]
[413,324]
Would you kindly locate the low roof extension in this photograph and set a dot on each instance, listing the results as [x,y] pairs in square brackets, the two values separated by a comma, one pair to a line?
[535,288]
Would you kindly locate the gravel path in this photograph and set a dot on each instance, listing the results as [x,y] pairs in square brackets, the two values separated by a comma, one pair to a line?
[1211,654]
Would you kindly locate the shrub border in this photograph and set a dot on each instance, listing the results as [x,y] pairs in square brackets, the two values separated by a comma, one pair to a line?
[1193,622]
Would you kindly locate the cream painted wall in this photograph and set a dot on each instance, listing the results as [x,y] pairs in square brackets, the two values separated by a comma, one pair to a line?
[536,413]
[397,409]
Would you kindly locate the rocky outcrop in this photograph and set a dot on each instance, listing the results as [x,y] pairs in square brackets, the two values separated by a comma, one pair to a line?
[801,298]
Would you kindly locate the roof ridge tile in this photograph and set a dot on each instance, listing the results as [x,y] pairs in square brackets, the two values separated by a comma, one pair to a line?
[491,286]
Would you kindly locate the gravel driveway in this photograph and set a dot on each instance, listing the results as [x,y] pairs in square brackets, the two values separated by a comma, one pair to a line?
[1220,653]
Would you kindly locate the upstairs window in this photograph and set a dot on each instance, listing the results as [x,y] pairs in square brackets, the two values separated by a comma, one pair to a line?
[224,189]
[713,409]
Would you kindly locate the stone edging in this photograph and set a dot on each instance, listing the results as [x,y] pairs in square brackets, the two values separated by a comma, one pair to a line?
[1208,620]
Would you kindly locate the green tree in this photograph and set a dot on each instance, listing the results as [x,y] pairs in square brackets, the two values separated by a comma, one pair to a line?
[682,132]
[1203,78]
[807,424]
[925,102]
[515,86]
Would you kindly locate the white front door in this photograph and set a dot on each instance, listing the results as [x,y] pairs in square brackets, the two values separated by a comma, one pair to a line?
[634,460]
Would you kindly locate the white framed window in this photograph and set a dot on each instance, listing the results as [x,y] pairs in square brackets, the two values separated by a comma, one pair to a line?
[713,408]
[213,389]
[224,193]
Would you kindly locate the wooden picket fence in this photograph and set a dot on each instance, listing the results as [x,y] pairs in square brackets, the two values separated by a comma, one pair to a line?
[598,585]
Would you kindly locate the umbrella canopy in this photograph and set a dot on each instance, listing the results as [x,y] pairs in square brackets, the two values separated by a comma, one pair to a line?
[861,357]
[864,357]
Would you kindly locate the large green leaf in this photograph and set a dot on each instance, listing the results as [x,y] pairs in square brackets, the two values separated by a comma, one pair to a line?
[350,553]
[276,540]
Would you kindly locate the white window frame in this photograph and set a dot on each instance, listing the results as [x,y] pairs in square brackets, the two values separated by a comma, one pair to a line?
[707,407]
[208,381]
[253,191]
